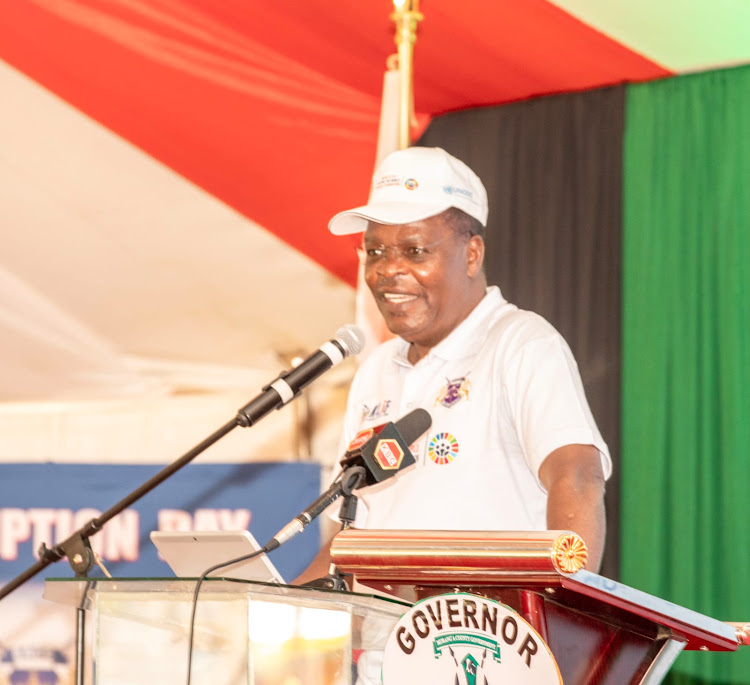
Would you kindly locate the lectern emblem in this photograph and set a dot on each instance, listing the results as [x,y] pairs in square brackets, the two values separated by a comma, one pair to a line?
[463,639]
[469,671]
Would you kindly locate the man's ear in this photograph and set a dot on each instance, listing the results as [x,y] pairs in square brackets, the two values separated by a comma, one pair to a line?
[474,256]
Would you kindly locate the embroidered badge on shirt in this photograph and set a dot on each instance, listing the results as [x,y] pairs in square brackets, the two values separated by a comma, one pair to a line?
[443,448]
[454,391]
[377,412]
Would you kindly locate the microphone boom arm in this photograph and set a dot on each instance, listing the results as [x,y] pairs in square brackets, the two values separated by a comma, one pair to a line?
[349,480]
[76,547]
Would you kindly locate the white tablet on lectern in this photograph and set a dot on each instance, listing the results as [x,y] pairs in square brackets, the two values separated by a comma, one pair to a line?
[190,553]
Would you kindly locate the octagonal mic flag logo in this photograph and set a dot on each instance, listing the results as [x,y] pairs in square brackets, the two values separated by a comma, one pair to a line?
[389,454]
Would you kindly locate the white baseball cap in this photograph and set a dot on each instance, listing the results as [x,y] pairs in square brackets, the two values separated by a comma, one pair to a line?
[413,184]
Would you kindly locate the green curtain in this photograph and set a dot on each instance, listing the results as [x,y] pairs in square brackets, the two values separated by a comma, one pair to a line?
[685,523]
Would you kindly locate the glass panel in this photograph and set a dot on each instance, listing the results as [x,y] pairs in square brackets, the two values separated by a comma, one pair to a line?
[245,633]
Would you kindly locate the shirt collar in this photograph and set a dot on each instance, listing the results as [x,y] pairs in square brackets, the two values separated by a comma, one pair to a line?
[464,340]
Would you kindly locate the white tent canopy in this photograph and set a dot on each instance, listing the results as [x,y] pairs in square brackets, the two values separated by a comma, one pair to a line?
[124,285]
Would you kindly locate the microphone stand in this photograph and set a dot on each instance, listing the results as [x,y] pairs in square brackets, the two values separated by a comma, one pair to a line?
[351,479]
[77,547]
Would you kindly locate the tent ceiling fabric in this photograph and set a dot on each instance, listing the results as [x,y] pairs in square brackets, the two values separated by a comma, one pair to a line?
[111,262]
[682,35]
[168,166]
[273,107]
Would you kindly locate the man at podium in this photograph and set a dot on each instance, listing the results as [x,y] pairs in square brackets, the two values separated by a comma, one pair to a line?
[513,444]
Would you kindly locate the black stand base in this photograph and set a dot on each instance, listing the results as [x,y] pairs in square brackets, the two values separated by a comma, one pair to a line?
[333,581]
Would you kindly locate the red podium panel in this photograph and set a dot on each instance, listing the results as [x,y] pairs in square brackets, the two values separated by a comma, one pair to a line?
[601,632]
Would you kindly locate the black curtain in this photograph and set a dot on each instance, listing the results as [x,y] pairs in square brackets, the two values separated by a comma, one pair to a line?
[553,169]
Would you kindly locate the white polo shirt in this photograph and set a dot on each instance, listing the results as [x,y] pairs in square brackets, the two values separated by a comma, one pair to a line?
[504,392]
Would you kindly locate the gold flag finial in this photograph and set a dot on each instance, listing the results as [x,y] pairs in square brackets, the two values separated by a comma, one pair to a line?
[406,15]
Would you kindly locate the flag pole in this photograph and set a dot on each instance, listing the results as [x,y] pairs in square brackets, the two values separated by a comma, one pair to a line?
[406,15]
[394,133]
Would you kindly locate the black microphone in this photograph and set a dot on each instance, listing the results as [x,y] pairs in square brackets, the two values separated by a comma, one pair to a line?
[387,451]
[349,340]
[353,454]
[382,456]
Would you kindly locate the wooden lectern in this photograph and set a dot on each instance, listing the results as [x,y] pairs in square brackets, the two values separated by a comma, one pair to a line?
[600,632]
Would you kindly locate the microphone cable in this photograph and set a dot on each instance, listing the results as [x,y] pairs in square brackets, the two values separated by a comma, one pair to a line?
[194,607]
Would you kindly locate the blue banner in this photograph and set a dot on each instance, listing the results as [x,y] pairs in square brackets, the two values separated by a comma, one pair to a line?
[46,503]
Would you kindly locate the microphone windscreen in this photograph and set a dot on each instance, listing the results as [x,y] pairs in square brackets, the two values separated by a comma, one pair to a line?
[351,338]
[414,424]
[388,452]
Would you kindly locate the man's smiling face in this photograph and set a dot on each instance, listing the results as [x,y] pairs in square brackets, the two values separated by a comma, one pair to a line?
[422,275]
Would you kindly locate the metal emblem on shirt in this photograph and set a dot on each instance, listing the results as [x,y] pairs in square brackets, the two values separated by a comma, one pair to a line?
[443,448]
[455,390]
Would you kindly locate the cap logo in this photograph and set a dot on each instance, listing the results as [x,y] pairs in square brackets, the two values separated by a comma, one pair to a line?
[455,190]
[411,184]
[386,181]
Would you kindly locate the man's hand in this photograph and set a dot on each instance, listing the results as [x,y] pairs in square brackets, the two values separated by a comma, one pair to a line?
[574,481]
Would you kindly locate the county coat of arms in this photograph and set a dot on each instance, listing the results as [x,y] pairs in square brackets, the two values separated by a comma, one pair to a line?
[455,390]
